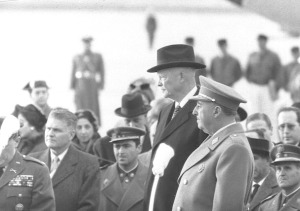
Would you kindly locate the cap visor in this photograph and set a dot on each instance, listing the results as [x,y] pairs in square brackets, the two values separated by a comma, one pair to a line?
[286,159]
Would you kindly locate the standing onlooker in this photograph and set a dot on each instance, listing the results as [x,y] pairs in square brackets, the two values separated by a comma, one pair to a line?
[39,94]
[264,179]
[218,174]
[88,76]
[123,183]
[86,131]
[225,68]
[286,159]
[75,174]
[25,183]
[151,26]
[177,130]
[289,125]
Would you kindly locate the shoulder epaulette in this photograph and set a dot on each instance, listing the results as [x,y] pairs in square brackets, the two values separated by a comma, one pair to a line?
[28,158]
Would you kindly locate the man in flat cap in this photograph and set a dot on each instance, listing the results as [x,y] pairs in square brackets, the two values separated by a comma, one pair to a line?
[286,159]
[39,94]
[123,183]
[264,179]
[225,68]
[218,174]
[88,78]
[177,135]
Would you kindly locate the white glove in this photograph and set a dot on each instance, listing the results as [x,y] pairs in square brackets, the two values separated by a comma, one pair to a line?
[161,159]
[9,126]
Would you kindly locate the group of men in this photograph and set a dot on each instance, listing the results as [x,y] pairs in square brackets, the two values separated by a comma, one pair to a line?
[201,158]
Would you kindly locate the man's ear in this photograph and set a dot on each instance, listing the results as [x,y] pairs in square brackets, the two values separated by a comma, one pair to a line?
[217,111]
[139,148]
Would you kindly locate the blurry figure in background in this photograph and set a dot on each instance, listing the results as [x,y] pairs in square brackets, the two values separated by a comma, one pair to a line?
[191,41]
[86,131]
[262,70]
[151,26]
[225,68]
[241,114]
[88,77]
[32,129]
[134,111]
[296,105]
[286,159]
[25,182]
[264,182]
[39,94]
[294,85]
[289,125]
[123,183]
[143,86]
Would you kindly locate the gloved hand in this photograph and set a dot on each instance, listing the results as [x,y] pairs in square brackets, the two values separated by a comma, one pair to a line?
[161,159]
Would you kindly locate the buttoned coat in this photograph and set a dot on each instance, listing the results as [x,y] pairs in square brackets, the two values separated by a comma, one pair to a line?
[217,176]
[35,196]
[183,135]
[114,198]
[76,180]
[268,187]
[273,203]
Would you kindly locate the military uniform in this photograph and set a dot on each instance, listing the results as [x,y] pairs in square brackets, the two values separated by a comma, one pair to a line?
[26,185]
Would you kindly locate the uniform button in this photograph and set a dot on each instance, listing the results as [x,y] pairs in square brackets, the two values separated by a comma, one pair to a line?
[185,182]
[179,209]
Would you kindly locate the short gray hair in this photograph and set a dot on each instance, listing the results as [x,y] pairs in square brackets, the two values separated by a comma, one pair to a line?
[64,115]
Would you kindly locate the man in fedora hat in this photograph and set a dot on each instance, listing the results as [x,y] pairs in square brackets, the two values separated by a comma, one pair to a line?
[134,111]
[264,179]
[177,135]
[122,184]
[218,174]
[286,159]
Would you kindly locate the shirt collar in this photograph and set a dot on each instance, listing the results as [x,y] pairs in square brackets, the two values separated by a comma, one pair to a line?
[187,97]
[60,156]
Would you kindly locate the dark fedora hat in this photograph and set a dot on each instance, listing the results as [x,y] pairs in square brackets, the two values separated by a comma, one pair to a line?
[259,145]
[132,106]
[175,56]
[242,113]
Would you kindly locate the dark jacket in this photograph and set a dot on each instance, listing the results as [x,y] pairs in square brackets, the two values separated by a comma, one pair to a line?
[27,146]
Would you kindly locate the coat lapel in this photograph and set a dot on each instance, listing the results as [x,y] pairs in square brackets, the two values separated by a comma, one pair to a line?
[14,168]
[293,204]
[111,186]
[66,167]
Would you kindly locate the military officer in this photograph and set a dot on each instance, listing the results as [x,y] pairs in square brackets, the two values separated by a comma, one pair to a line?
[286,159]
[218,174]
[123,183]
[25,182]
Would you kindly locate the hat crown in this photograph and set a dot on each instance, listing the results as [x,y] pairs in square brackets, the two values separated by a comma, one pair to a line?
[175,53]
[285,153]
[125,133]
[261,145]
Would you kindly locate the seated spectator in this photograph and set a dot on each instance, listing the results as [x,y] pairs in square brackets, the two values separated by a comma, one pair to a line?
[86,131]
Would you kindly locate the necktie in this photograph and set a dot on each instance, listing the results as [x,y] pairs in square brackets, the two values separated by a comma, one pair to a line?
[256,186]
[54,165]
[176,110]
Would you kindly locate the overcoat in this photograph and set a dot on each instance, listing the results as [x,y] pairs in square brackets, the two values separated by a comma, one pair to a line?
[114,198]
[26,185]
[217,176]
[76,180]
[268,187]
[273,203]
[183,135]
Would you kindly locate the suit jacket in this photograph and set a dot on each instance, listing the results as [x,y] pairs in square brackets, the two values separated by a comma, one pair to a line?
[218,175]
[273,203]
[268,187]
[114,198]
[76,180]
[26,183]
[183,135]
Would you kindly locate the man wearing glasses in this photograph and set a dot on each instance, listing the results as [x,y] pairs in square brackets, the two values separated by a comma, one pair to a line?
[289,125]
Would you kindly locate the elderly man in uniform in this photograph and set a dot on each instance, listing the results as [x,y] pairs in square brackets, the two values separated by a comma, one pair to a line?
[39,95]
[177,135]
[123,183]
[25,183]
[286,159]
[218,174]
[264,178]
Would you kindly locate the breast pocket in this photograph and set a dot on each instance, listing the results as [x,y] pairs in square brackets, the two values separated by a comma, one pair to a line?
[19,198]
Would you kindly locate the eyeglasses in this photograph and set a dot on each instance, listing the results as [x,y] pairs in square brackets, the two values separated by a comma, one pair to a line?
[289,126]
[142,86]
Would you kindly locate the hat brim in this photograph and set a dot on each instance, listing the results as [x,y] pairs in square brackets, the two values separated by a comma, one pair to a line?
[144,110]
[285,159]
[176,64]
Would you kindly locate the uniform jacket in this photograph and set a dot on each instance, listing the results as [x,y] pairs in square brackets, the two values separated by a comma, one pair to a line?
[76,180]
[183,135]
[218,175]
[268,187]
[26,183]
[114,198]
[273,202]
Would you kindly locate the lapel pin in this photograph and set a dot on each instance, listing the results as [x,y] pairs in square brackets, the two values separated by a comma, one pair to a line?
[18,162]
[15,171]
[215,141]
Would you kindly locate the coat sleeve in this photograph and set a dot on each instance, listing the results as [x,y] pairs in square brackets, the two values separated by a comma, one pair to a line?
[233,172]
[42,193]
[73,74]
[90,189]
